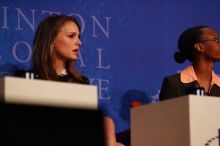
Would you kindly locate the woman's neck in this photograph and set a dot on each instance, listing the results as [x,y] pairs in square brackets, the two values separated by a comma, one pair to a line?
[203,73]
[59,66]
[203,70]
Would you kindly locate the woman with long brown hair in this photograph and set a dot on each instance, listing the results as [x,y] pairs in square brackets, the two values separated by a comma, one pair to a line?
[55,49]
[56,45]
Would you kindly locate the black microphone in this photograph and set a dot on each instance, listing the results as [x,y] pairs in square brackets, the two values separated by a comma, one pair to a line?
[196,90]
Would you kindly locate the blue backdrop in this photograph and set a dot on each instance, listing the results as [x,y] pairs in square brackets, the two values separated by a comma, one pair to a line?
[127,45]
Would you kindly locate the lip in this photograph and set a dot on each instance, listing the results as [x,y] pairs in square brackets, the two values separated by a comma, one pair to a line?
[75,51]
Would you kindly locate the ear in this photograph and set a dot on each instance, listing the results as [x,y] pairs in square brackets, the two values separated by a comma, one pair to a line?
[199,47]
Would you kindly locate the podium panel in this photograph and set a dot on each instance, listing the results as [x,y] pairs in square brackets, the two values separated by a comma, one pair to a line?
[33,125]
[184,121]
[48,93]
[49,113]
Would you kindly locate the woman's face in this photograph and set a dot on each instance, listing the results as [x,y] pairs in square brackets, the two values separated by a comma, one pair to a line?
[67,42]
[211,43]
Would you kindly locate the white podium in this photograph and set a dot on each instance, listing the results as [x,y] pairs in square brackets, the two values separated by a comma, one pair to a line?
[184,121]
[48,93]
[48,113]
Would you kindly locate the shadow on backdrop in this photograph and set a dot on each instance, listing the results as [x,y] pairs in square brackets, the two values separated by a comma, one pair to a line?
[9,69]
[130,97]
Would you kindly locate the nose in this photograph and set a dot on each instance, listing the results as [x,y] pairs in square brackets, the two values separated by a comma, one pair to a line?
[79,42]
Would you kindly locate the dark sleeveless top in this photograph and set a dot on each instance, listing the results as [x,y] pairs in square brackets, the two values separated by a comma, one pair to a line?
[60,78]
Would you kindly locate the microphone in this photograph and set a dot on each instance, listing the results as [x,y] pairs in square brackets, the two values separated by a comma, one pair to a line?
[196,90]
[29,75]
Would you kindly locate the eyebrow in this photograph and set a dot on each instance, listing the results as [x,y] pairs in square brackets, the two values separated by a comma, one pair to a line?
[74,33]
